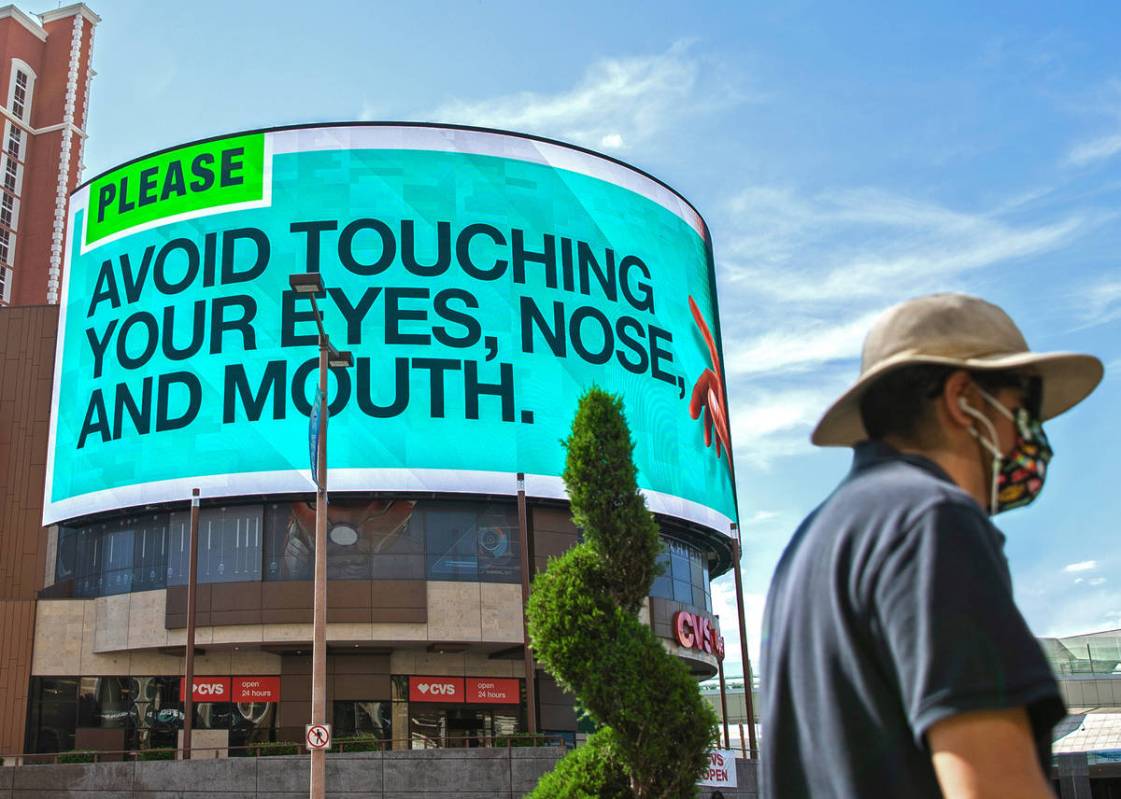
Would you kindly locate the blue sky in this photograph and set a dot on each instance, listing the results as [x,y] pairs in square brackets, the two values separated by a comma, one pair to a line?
[846,157]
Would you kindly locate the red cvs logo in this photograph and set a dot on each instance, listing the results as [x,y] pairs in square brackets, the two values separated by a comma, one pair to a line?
[694,631]
[207,689]
[437,688]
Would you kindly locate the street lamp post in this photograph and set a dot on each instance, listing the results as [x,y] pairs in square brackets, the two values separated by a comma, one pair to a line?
[310,285]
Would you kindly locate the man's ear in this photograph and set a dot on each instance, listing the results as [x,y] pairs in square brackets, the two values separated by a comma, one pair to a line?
[958,387]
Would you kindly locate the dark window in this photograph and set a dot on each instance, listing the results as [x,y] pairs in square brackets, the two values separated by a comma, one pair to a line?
[150,554]
[66,553]
[682,575]
[107,702]
[289,541]
[252,723]
[230,544]
[471,542]
[685,575]
[159,712]
[663,583]
[366,718]
[53,714]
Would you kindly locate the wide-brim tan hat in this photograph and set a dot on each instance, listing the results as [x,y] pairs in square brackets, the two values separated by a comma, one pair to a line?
[959,331]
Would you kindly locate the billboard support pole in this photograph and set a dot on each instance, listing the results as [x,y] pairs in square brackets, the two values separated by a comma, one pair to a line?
[749,702]
[192,602]
[723,698]
[319,633]
[530,668]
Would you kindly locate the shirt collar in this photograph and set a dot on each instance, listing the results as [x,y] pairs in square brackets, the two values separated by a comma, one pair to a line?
[871,453]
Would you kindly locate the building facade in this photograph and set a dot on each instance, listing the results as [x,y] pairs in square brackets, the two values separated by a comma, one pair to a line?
[45,74]
[425,619]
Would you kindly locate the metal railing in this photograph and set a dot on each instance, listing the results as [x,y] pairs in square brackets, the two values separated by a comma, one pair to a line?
[284,748]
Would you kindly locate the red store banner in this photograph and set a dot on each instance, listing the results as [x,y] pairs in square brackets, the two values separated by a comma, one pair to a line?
[207,689]
[436,689]
[256,689]
[493,691]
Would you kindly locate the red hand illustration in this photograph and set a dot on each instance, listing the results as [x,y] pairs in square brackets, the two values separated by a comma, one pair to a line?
[708,393]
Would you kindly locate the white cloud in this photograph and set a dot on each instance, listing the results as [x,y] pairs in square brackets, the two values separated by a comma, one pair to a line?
[1104,102]
[1081,566]
[761,516]
[618,104]
[1098,149]
[724,606]
[369,112]
[808,344]
[1099,303]
[1096,580]
[770,423]
[816,269]
[866,244]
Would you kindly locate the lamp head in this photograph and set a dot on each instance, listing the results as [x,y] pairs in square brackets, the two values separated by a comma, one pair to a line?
[306,283]
[340,359]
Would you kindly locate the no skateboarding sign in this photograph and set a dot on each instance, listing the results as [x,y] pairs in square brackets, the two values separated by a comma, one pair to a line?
[318,736]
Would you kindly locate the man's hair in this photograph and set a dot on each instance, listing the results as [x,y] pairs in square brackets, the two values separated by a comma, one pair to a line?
[900,403]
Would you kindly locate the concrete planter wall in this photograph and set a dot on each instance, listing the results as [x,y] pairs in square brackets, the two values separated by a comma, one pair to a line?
[418,774]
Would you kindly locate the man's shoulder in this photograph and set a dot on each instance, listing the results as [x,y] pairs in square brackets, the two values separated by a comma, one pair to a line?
[903,490]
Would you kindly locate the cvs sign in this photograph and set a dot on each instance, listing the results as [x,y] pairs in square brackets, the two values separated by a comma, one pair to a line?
[207,689]
[694,631]
[493,691]
[721,770]
[436,689]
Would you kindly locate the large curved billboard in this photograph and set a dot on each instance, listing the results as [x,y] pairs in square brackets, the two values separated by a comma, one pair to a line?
[482,281]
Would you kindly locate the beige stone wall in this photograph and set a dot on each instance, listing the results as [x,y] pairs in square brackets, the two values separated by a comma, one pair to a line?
[125,634]
[453,664]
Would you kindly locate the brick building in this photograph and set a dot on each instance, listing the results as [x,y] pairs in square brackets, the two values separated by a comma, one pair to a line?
[44,92]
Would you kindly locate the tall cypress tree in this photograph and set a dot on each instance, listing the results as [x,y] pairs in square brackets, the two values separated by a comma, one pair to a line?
[654,728]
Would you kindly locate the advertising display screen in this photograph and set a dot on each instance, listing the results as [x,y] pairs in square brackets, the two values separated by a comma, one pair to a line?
[481,280]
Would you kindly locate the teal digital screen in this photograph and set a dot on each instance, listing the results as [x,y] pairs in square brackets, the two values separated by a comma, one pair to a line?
[482,281]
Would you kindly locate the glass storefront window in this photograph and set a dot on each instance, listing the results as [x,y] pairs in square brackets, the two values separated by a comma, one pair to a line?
[353,718]
[372,539]
[375,539]
[471,542]
[663,583]
[252,723]
[231,541]
[229,545]
[289,547]
[685,576]
[107,702]
[147,709]
[53,715]
[150,554]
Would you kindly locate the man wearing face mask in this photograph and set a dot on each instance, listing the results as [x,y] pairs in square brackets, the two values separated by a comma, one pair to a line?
[895,661]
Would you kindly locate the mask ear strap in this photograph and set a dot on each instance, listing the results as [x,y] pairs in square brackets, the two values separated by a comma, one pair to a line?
[990,446]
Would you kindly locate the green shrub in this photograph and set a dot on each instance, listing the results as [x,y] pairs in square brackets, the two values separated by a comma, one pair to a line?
[503,741]
[79,756]
[156,754]
[359,743]
[272,748]
[654,729]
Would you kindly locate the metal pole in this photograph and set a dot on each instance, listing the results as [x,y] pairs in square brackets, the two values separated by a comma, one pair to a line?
[530,668]
[749,702]
[192,602]
[723,701]
[743,748]
[319,624]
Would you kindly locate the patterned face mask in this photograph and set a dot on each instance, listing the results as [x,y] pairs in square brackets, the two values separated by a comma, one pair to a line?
[1017,477]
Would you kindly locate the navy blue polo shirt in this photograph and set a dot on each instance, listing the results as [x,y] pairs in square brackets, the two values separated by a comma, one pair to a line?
[890,610]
